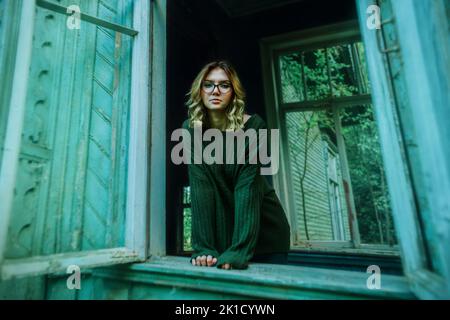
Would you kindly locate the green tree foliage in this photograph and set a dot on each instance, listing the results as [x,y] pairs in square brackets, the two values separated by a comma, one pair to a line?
[187,219]
[309,76]
[367,174]
[187,223]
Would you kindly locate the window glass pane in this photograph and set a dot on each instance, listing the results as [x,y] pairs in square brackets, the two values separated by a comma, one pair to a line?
[187,195]
[343,67]
[187,234]
[320,196]
[187,219]
[343,71]
[361,67]
[316,74]
[367,175]
[71,183]
[348,70]
[316,178]
[314,66]
[292,88]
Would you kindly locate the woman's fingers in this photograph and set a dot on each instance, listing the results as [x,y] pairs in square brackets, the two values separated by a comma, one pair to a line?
[211,261]
[226,266]
[208,261]
[200,261]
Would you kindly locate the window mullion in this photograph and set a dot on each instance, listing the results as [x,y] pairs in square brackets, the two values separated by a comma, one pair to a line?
[330,85]
[339,102]
[305,92]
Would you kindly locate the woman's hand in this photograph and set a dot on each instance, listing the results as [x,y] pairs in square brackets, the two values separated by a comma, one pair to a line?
[202,261]
[226,266]
[208,261]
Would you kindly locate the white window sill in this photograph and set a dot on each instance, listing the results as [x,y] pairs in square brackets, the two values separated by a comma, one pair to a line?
[265,281]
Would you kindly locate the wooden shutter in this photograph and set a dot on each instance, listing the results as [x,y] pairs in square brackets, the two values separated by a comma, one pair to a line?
[407,57]
[70,203]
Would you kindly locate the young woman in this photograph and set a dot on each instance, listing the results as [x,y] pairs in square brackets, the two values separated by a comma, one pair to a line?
[236,215]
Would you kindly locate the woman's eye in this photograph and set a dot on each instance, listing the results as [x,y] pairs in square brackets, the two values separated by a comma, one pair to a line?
[224,86]
[207,85]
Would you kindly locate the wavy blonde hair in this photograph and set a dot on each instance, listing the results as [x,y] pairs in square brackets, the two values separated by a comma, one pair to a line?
[197,111]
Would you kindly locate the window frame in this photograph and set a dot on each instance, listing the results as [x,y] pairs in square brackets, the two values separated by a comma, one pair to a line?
[423,37]
[136,233]
[175,270]
[271,49]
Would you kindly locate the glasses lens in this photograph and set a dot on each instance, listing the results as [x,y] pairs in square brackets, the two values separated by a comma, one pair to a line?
[208,87]
[224,87]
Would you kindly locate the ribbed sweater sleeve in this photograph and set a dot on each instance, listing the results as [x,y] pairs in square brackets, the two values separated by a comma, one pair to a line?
[248,196]
[203,208]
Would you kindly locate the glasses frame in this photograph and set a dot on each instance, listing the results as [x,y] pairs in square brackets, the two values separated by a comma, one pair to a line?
[217,85]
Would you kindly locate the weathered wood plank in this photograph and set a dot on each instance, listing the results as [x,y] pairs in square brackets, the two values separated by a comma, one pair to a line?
[139,135]
[259,281]
[41,265]
[15,122]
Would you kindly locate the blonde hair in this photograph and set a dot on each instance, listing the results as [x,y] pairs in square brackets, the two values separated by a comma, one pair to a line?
[197,111]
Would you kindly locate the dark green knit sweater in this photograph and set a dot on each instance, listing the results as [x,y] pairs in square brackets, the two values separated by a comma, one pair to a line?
[235,211]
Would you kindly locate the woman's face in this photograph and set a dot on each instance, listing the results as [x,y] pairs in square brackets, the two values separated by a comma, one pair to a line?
[217,90]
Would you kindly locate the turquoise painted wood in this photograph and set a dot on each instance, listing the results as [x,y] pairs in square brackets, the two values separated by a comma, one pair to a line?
[409,59]
[429,100]
[173,278]
[74,137]
[8,37]
[72,167]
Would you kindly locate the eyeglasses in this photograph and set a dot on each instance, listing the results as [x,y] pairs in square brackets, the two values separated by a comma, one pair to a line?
[209,87]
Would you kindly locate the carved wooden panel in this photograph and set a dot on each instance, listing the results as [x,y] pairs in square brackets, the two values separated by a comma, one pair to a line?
[70,192]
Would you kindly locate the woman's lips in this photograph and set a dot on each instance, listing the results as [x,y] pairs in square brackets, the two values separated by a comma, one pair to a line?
[216,101]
